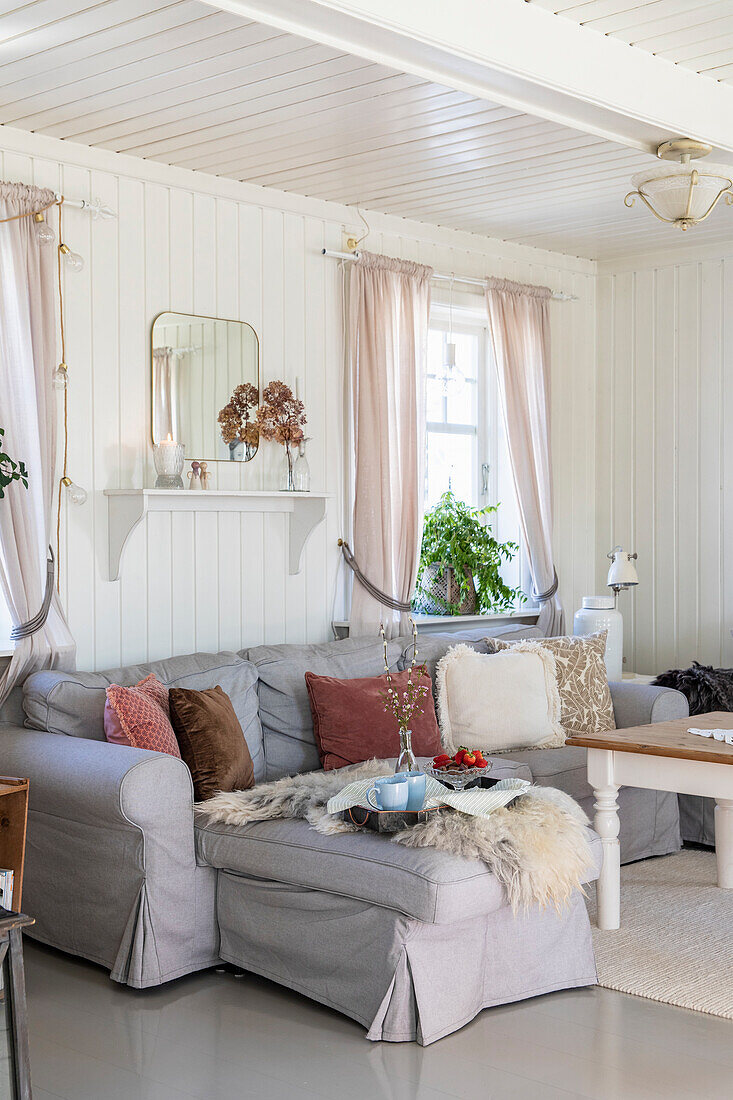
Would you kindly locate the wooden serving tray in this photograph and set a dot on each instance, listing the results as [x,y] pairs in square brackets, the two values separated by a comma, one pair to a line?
[386,821]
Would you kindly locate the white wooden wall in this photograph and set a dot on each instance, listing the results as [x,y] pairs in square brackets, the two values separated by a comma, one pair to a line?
[665,454]
[191,243]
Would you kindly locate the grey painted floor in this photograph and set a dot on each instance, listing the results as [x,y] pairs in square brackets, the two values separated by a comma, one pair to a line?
[212,1037]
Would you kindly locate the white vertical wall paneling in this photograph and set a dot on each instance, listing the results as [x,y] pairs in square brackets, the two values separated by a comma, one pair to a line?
[688,476]
[710,440]
[641,408]
[662,570]
[159,531]
[726,357]
[206,581]
[183,563]
[664,459]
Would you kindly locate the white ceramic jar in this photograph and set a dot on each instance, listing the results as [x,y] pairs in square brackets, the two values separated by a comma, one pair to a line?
[599,613]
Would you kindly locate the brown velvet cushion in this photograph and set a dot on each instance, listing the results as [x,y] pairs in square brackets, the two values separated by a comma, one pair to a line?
[351,724]
[211,741]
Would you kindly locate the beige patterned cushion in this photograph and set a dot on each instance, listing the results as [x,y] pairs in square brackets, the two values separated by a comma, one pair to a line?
[585,698]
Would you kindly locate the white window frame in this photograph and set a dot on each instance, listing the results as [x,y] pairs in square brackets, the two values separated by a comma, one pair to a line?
[472,320]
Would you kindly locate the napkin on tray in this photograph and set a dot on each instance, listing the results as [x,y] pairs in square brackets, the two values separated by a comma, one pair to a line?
[479,801]
[717,735]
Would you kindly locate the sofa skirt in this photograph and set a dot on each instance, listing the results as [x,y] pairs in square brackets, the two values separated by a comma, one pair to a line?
[401,978]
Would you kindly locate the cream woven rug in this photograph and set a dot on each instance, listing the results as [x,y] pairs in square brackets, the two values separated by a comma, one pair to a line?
[675,943]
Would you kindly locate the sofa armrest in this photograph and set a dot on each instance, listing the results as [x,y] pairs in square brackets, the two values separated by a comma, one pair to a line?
[95,783]
[111,870]
[637,704]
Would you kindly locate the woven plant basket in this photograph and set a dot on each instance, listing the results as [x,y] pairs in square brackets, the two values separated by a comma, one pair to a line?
[439,589]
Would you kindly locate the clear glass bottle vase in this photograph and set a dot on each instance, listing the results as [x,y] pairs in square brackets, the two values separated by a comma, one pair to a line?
[406,761]
[287,481]
[302,471]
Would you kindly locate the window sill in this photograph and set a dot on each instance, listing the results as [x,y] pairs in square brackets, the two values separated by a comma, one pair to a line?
[446,624]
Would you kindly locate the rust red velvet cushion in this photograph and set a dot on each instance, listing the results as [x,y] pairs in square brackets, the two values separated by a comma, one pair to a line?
[351,724]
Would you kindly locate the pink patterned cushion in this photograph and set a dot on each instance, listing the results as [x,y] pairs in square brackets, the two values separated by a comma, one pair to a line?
[140,716]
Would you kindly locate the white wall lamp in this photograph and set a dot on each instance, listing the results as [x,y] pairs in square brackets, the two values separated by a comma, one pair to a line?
[601,612]
[681,194]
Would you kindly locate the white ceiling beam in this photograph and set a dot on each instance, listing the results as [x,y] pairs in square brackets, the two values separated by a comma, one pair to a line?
[519,55]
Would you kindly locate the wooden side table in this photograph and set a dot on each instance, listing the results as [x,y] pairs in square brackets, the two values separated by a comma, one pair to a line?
[13,821]
[15,1071]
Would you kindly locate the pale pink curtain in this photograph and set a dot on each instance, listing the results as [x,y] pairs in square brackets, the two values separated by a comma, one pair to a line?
[28,414]
[519,325]
[388,330]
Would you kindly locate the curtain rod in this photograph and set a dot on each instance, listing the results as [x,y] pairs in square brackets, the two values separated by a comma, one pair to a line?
[557,295]
[97,208]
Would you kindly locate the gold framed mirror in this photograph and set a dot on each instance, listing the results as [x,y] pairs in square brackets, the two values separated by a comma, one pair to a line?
[205,380]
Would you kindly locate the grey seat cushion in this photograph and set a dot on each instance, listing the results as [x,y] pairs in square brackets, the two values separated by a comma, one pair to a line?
[424,883]
[285,713]
[72,703]
[564,768]
[431,647]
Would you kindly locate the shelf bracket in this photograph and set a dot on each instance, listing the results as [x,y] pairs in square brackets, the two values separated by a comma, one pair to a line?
[304,518]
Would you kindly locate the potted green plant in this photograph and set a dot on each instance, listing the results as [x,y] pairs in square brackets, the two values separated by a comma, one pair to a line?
[460,562]
[10,470]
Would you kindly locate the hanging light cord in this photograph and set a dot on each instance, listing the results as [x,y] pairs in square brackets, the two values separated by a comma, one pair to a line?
[62,366]
[32,213]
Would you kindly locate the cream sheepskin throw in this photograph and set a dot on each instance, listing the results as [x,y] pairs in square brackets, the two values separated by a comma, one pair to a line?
[538,847]
[497,702]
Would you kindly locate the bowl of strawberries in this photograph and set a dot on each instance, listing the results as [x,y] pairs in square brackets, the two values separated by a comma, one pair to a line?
[459,770]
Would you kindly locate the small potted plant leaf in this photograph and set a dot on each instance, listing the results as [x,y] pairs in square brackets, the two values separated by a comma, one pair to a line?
[461,561]
[10,470]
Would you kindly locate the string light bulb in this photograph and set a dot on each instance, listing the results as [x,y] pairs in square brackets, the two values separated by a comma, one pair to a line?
[76,494]
[61,376]
[73,260]
[44,232]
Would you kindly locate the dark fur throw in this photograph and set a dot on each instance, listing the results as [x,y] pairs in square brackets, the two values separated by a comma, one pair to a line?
[706,688]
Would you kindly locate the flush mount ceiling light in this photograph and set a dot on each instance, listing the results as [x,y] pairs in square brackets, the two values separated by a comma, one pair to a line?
[681,194]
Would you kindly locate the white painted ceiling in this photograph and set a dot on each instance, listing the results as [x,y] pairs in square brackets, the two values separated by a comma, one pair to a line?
[695,34]
[184,84]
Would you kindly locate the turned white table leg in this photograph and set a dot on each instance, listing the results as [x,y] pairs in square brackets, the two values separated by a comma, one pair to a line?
[724,842]
[608,887]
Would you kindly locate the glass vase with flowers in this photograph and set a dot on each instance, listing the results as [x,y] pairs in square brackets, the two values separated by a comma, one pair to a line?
[404,705]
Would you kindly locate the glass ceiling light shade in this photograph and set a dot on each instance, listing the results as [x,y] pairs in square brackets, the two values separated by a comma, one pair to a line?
[682,194]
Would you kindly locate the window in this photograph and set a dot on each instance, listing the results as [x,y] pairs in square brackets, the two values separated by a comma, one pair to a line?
[466,447]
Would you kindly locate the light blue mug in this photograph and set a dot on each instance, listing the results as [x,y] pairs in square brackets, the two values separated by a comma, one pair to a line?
[416,789]
[390,793]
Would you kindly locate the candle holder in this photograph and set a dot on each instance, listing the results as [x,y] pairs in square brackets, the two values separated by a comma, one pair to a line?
[168,458]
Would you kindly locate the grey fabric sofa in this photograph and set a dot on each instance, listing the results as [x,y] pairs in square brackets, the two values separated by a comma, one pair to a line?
[119,871]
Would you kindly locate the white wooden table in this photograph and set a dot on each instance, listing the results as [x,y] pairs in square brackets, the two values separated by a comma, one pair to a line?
[662,756]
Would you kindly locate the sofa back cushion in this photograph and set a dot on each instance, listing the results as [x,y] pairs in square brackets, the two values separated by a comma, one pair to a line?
[285,713]
[431,647]
[72,703]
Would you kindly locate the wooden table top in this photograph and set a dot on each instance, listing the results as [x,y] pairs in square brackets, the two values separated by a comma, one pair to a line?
[667,739]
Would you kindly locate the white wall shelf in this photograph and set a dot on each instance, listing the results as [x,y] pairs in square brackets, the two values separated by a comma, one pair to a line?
[127,507]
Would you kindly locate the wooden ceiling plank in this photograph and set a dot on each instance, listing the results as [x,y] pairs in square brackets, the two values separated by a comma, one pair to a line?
[325,77]
[164,69]
[289,144]
[118,45]
[187,119]
[329,153]
[80,24]
[685,36]
[645,20]
[352,108]
[166,138]
[453,149]
[469,183]
[582,164]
